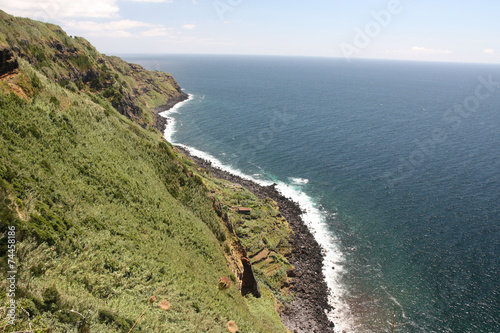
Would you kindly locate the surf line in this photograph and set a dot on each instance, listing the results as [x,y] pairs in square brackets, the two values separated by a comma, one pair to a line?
[313,217]
[169,130]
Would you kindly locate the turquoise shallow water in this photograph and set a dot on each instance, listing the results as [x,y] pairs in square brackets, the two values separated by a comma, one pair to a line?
[396,163]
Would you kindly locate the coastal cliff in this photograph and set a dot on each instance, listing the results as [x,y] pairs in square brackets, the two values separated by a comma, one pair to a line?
[106,213]
[76,65]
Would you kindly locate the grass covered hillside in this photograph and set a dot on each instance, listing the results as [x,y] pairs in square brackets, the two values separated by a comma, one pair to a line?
[76,65]
[107,213]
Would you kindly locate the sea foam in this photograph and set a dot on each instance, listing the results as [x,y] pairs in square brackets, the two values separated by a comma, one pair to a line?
[314,218]
[333,259]
[170,127]
[298,181]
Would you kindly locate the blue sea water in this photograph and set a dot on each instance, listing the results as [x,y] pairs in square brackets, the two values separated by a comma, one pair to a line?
[396,163]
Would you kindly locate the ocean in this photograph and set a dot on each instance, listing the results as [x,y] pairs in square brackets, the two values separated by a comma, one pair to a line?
[396,164]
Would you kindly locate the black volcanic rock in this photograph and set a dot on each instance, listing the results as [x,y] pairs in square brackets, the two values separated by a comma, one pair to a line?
[307,312]
[8,63]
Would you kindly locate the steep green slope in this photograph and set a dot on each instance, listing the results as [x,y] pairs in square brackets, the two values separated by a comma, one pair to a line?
[106,212]
[76,65]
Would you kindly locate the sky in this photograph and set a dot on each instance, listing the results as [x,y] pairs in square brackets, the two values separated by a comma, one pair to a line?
[423,30]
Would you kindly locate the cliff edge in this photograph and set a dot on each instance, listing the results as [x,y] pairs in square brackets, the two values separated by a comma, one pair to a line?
[98,212]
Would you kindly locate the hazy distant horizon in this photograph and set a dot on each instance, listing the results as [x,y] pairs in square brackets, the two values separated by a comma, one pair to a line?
[378,29]
[146,54]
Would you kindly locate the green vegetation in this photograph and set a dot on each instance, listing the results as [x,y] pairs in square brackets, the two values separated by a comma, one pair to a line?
[107,213]
[76,65]
[264,233]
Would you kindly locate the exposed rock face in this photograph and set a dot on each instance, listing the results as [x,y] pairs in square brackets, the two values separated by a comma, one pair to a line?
[76,65]
[128,107]
[244,271]
[8,63]
[159,121]
[248,281]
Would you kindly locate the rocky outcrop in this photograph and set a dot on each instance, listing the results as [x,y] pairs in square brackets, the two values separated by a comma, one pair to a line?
[127,107]
[248,282]
[76,65]
[8,62]
[244,271]
[159,121]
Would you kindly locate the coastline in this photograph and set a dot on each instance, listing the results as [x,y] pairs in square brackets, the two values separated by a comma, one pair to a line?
[307,312]
[160,122]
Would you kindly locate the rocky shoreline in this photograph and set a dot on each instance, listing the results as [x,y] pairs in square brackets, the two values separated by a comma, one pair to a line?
[161,122]
[307,312]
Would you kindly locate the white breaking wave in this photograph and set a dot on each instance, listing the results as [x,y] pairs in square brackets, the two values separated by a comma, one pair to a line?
[298,181]
[218,164]
[333,259]
[170,128]
[313,217]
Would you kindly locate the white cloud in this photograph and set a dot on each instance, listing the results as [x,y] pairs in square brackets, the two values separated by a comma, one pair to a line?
[55,9]
[155,1]
[155,32]
[120,28]
[416,50]
[113,25]
[390,52]
[488,51]
[421,49]
[115,33]
[189,26]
